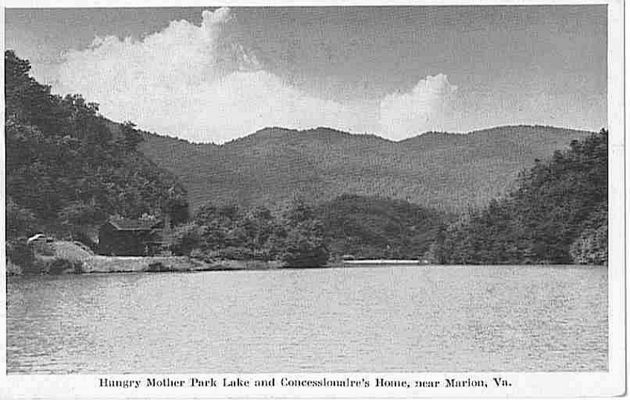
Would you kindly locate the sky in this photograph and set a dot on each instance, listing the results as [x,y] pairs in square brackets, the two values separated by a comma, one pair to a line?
[213,75]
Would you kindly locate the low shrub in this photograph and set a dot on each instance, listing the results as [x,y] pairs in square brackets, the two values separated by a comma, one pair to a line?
[63,265]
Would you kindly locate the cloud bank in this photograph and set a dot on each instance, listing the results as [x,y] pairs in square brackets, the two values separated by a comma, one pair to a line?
[200,84]
[426,107]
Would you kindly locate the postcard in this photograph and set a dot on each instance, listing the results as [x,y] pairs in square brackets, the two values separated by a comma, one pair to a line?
[313,200]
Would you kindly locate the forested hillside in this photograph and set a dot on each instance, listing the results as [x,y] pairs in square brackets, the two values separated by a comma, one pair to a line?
[66,172]
[445,171]
[557,214]
[68,169]
[372,227]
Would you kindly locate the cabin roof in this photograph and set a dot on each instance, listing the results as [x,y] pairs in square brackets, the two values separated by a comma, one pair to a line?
[124,224]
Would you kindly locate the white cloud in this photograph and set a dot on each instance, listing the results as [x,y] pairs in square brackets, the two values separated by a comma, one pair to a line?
[198,83]
[425,108]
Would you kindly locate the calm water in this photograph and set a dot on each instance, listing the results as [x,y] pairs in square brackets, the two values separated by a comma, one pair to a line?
[461,318]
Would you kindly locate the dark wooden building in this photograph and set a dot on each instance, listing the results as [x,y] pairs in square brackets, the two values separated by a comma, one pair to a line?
[128,237]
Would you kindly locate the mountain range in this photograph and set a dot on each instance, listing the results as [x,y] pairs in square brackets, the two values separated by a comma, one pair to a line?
[445,171]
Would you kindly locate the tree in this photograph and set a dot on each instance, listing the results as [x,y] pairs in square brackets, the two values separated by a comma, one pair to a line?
[298,211]
[304,245]
[591,247]
[130,138]
[19,221]
[176,205]
[185,238]
[79,213]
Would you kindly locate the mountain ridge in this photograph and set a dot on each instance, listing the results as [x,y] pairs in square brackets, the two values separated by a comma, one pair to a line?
[448,171]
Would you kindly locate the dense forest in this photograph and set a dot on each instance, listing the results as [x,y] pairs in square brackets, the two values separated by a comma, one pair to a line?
[66,172]
[557,214]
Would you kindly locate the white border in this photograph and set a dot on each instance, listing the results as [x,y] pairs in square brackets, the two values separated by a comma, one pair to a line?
[612,383]
[284,3]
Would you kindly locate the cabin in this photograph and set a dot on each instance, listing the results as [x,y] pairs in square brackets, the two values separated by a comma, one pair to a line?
[130,237]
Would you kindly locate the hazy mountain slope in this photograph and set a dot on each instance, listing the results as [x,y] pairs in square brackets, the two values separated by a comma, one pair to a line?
[445,171]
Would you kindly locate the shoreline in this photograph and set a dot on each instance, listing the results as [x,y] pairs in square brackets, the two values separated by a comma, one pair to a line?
[98,264]
[62,258]
[65,257]
[371,262]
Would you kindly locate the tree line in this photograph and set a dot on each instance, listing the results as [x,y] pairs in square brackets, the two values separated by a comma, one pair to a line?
[558,214]
[303,235]
[66,172]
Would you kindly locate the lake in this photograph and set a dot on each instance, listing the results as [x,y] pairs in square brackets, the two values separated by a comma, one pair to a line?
[385,319]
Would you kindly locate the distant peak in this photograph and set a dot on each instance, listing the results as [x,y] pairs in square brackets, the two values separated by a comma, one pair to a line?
[273,129]
[497,130]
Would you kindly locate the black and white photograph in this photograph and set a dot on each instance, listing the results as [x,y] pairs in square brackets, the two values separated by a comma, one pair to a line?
[308,201]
